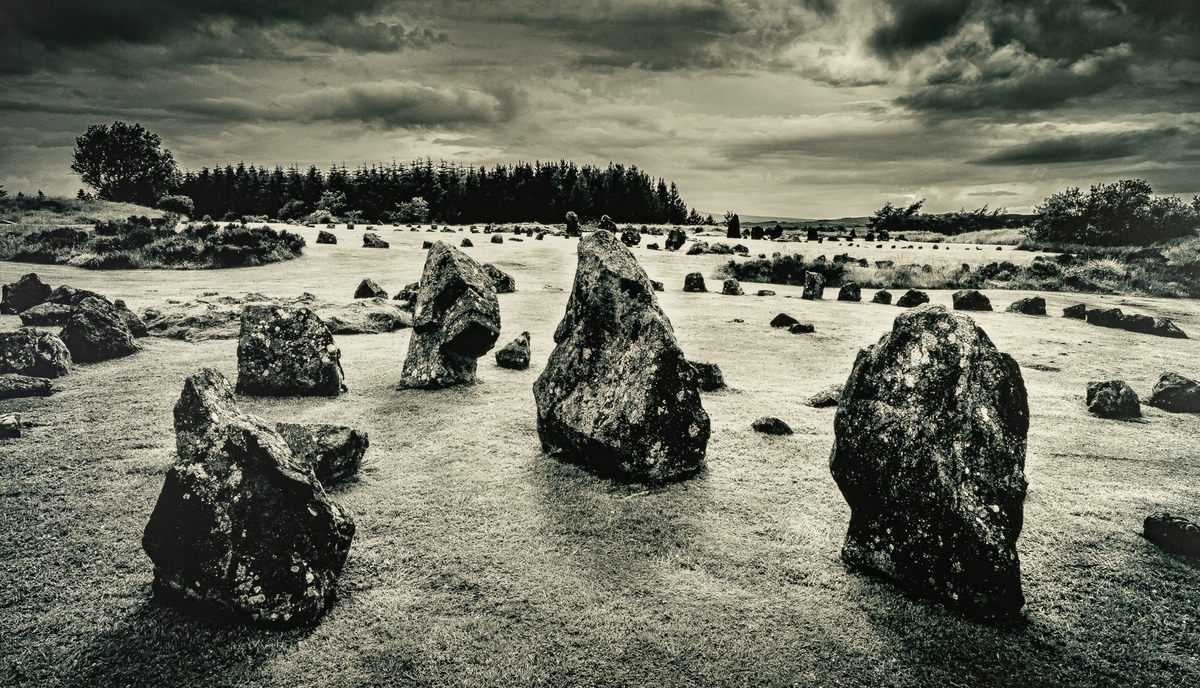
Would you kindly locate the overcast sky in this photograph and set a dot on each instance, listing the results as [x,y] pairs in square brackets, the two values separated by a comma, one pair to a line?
[800,108]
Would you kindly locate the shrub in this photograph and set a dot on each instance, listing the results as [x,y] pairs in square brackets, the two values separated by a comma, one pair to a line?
[177,204]
[1123,213]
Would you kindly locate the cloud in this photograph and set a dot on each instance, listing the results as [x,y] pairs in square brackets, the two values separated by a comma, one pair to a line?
[1085,148]
[917,23]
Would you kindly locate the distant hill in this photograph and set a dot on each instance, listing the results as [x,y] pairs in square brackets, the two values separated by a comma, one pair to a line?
[792,221]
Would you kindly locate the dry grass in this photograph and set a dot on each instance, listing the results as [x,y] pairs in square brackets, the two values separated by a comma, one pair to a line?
[1006,237]
[479,561]
[58,211]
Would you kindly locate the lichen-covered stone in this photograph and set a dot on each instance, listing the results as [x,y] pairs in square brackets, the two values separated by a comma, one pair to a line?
[732,287]
[709,376]
[515,354]
[814,286]
[631,237]
[70,296]
[369,289]
[1076,312]
[1112,399]
[97,332]
[675,240]
[912,298]
[466,243]
[371,240]
[497,239]
[241,528]
[694,281]
[929,452]
[850,291]
[1176,394]
[13,386]
[1032,305]
[501,280]
[770,425]
[882,296]
[30,352]
[456,320]
[334,452]
[287,352]
[132,320]
[1105,317]
[1163,327]
[324,237]
[617,395]
[783,320]
[826,397]
[25,293]
[970,300]
[802,328]
[46,314]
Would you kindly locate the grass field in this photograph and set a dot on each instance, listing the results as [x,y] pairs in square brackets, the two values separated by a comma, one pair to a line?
[479,561]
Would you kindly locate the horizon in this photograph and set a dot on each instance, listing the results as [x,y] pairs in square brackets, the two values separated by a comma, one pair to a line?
[818,109]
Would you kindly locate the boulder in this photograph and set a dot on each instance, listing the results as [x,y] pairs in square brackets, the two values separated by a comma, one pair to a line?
[732,288]
[1163,327]
[1134,322]
[802,328]
[132,320]
[783,320]
[466,243]
[617,395]
[25,293]
[10,426]
[515,354]
[814,286]
[70,296]
[30,352]
[770,425]
[426,245]
[766,292]
[242,529]
[694,281]
[368,289]
[1176,394]
[409,293]
[501,280]
[287,352]
[46,314]
[652,247]
[929,452]
[13,386]
[885,264]
[970,300]
[372,240]
[1076,312]
[1112,399]
[709,376]
[658,286]
[497,239]
[675,240]
[882,296]
[631,237]
[1174,534]
[850,291]
[97,332]
[1033,305]
[324,237]
[826,397]
[911,298]
[455,321]
[333,452]
[698,248]
[1105,317]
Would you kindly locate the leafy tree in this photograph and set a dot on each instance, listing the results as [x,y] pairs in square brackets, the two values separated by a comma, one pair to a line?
[292,210]
[414,211]
[177,204]
[124,163]
[332,202]
[1122,213]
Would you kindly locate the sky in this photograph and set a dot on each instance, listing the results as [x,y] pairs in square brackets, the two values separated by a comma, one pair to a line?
[791,108]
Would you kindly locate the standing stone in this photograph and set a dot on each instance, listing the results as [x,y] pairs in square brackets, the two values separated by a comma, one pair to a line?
[850,291]
[324,237]
[132,320]
[814,286]
[30,352]
[1112,399]
[911,298]
[572,227]
[617,395]
[694,281]
[676,238]
[13,386]
[930,454]
[497,239]
[1033,305]
[1174,534]
[242,529]
[368,289]
[732,288]
[284,352]
[333,452]
[96,332]
[1076,312]
[456,320]
[515,354]
[25,293]
[501,280]
[970,300]
[882,296]
[709,376]
[426,245]
[1105,317]
[631,237]
[1176,394]
[466,243]
[371,240]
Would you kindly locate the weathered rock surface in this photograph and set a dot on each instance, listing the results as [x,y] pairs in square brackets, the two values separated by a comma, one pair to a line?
[287,352]
[501,280]
[1163,327]
[709,376]
[732,288]
[324,237]
[766,292]
[132,320]
[783,320]
[802,328]
[1112,399]
[826,397]
[334,452]
[497,239]
[30,352]
[202,319]
[652,246]
[675,240]
[466,243]
[617,395]
[25,293]
[814,286]
[1033,305]
[13,386]
[368,289]
[456,320]
[371,240]
[769,425]
[970,300]
[694,281]
[1174,534]
[97,332]
[70,296]
[1105,317]
[631,237]
[1176,394]
[912,298]
[850,291]
[46,314]
[930,453]
[10,426]
[1076,312]
[882,296]
[409,294]
[515,354]
[658,286]
[242,529]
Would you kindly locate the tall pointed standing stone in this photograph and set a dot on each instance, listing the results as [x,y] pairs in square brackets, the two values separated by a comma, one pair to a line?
[455,321]
[617,395]
[930,453]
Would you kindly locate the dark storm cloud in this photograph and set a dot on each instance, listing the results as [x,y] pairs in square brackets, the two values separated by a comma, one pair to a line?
[916,24]
[377,37]
[1086,148]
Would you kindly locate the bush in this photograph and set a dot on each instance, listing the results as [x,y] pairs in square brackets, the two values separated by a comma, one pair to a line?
[177,204]
[1123,213]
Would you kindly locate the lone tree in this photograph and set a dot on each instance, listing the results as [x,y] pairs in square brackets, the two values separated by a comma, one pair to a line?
[124,163]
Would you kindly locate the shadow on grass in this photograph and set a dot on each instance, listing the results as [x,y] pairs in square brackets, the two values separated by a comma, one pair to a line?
[157,645]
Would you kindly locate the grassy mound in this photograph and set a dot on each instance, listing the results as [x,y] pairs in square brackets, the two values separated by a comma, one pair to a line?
[54,210]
